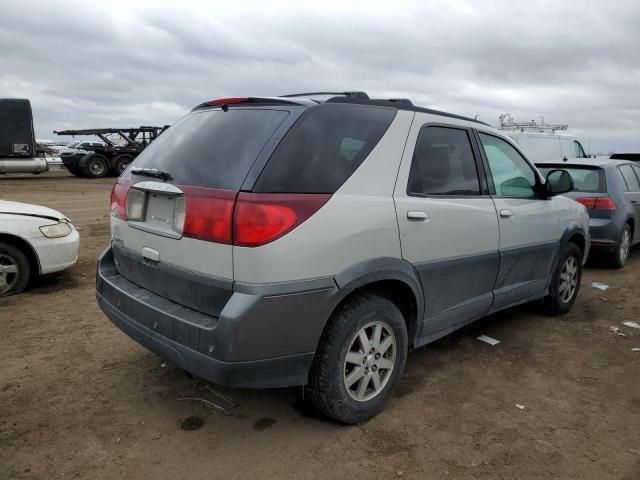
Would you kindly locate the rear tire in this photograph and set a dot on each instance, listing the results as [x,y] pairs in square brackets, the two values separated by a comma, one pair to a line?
[15,270]
[618,258]
[360,359]
[96,167]
[565,281]
[121,163]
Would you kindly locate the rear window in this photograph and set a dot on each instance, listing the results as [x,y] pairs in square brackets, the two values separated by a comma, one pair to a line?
[584,179]
[325,146]
[212,148]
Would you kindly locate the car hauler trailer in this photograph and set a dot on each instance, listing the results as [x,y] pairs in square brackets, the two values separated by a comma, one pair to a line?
[110,157]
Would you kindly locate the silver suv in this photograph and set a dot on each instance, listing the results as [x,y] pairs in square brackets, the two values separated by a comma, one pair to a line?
[271,242]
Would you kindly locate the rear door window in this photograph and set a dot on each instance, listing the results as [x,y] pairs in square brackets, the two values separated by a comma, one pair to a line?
[633,185]
[212,148]
[324,147]
[443,164]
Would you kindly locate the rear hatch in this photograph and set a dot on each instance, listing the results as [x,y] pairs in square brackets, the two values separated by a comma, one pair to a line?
[590,188]
[243,175]
[172,208]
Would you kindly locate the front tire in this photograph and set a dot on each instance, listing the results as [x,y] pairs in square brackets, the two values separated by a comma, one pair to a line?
[360,359]
[15,270]
[565,282]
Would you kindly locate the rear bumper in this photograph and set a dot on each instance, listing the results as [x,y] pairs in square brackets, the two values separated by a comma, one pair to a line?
[605,233]
[261,339]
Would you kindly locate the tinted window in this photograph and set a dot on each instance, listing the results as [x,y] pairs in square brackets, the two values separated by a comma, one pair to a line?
[630,178]
[325,146]
[578,152]
[443,164]
[512,175]
[584,179]
[212,148]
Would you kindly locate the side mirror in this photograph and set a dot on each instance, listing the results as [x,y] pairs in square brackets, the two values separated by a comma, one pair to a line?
[559,182]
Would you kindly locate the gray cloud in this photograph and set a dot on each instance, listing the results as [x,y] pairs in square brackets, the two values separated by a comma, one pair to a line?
[109,63]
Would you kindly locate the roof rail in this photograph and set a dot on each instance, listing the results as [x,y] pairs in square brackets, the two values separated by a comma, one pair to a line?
[309,94]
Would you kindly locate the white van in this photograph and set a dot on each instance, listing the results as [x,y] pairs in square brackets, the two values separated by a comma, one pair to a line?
[540,141]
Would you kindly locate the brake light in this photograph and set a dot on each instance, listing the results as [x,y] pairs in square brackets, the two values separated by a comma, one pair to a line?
[119,198]
[208,214]
[261,218]
[227,101]
[597,203]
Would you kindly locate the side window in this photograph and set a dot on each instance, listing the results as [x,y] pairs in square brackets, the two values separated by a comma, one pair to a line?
[630,178]
[578,151]
[443,164]
[512,175]
[637,170]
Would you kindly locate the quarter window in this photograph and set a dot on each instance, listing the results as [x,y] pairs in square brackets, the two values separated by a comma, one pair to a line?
[512,175]
[443,164]
[630,178]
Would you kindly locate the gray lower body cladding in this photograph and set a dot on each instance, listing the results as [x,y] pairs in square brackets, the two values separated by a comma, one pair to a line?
[264,336]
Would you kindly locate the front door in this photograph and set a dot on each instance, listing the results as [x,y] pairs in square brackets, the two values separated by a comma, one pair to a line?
[448,224]
[529,228]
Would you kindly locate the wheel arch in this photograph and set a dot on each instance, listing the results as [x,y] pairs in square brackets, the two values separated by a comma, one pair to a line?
[26,248]
[390,278]
[575,234]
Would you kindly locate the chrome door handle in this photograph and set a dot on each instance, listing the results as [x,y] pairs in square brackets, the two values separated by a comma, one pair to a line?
[417,215]
[506,213]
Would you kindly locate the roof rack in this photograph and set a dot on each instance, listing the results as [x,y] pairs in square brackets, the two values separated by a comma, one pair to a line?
[507,123]
[362,95]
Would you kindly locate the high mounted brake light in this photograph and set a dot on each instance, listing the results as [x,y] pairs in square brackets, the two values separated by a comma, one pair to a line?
[227,101]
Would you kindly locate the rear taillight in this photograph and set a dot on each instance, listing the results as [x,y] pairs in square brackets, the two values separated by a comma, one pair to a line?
[119,198]
[261,218]
[207,214]
[597,203]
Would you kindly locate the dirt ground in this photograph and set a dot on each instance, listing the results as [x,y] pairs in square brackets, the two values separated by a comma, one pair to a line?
[80,399]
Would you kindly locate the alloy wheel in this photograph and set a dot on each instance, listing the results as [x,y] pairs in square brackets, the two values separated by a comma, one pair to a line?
[370,360]
[9,273]
[568,279]
[625,244]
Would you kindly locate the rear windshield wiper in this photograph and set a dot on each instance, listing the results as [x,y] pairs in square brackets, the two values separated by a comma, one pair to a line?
[152,172]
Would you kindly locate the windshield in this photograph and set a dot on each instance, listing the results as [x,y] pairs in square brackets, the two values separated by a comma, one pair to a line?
[212,148]
[72,144]
[585,179]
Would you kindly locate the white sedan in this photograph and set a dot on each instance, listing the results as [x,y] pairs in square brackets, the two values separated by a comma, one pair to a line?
[34,240]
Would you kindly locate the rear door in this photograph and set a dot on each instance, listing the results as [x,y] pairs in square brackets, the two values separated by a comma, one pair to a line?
[448,223]
[529,227]
[632,195]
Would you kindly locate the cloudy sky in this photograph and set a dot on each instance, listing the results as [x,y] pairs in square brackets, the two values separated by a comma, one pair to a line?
[124,63]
